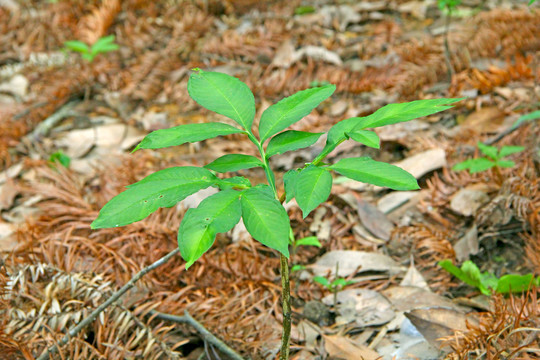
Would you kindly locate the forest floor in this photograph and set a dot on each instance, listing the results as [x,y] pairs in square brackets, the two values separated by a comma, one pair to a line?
[54,104]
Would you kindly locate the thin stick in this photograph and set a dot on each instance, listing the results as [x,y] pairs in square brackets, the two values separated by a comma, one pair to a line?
[93,316]
[206,335]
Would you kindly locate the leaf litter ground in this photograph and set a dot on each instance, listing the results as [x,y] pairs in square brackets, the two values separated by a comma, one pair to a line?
[55,270]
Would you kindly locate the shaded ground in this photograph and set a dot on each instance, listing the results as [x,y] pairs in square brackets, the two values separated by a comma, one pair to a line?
[55,269]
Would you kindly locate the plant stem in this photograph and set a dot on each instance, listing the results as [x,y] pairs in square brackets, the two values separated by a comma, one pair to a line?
[93,316]
[284,268]
[286,294]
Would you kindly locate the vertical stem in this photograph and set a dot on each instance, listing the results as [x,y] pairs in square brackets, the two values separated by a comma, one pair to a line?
[286,294]
[284,268]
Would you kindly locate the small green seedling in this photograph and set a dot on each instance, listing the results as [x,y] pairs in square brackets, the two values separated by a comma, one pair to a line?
[334,287]
[60,157]
[304,10]
[260,205]
[494,158]
[102,45]
[487,282]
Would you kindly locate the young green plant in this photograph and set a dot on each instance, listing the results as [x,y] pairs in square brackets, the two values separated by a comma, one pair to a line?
[102,45]
[259,205]
[487,282]
[494,159]
[334,286]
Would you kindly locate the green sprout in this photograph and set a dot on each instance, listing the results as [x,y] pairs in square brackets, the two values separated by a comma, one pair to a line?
[102,45]
[494,158]
[487,282]
[334,286]
[60,157]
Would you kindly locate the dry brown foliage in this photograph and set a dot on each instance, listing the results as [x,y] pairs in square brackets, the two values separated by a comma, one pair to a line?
[508,331]
[95,25]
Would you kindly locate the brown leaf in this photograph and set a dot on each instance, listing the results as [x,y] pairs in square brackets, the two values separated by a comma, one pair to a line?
[351,262]
[8,192]
[340,347]
[374,220]
[438,322]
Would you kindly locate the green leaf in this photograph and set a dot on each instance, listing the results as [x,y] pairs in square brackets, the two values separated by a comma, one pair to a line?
[215,214]
[291,140]
[234,162]
[366,137]
[341,283]
[109,39]
[474,165]
[377,173]
[76,45]
[527,117]
[509,150]
[182,134]
[289,182]
[238,182]
[470,274]
[515,283]
[505,163]
[396,113]
[88,57]
[297,268]
[490,151]
[104,48]
[321,280]
[389,114]
[104,44]
[60,157]
[313,186]
[164,188]
[223,94]
[308,241]
[307,9]
[291,109]
[266,219]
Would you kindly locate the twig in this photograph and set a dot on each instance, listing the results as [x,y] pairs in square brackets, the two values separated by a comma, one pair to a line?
[92,317]
[46,125]
[206,335]
[505,132]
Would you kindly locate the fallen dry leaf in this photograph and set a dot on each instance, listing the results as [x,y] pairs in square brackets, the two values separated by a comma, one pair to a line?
[424,162]
[467,201]
[363,306]
[341,347]
[438,322]
[351,262]
[467,245]
[374,220]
